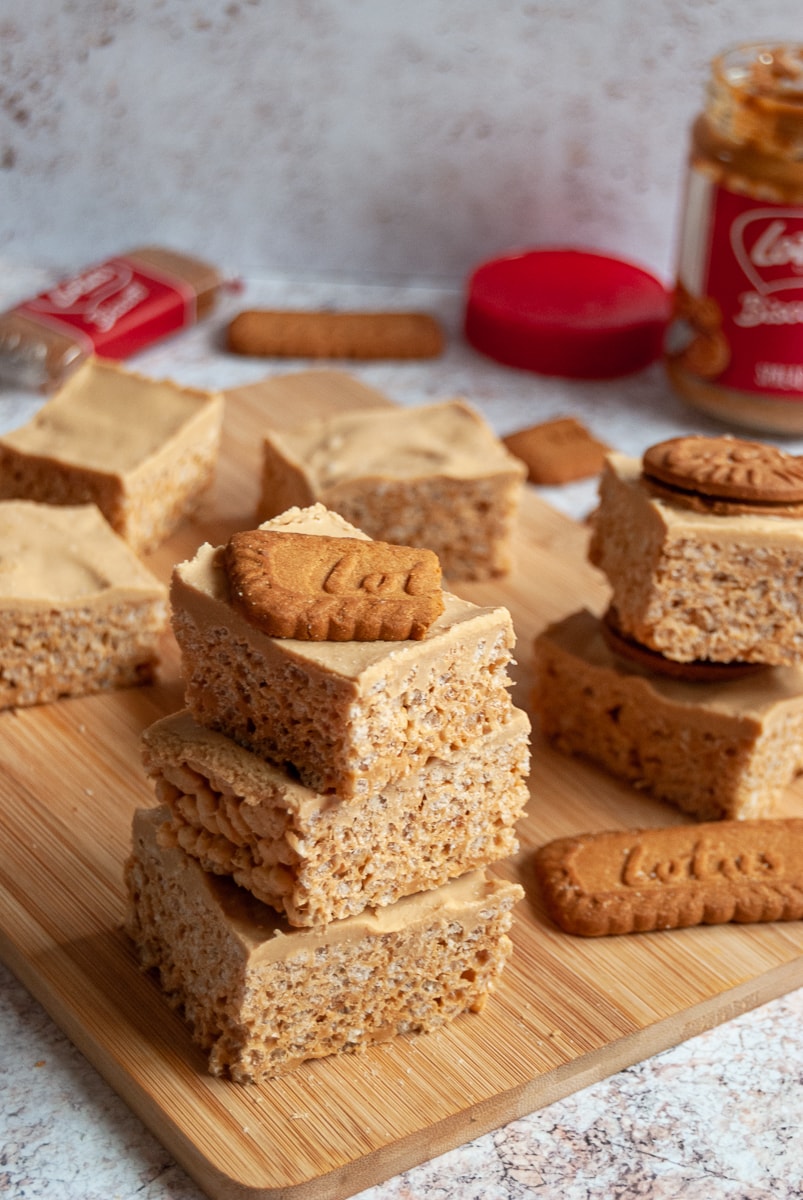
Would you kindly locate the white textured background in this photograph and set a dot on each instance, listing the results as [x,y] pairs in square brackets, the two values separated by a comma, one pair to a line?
[373,140]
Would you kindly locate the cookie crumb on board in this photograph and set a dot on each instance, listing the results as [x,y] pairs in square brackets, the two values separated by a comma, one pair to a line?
[558,451]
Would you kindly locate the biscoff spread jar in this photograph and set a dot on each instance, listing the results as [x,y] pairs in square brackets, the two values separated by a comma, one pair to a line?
[734,347]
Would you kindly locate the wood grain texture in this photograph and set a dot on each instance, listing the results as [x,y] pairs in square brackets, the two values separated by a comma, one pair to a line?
[569,1011]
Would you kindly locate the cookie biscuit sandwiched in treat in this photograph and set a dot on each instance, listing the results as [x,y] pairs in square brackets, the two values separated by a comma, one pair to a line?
[702,544]
[434,476]
[722,742]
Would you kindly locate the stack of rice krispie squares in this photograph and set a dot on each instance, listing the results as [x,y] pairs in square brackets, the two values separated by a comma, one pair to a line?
[690,686]
[313,879]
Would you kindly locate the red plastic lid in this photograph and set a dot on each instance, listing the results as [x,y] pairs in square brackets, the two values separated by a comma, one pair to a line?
[570,312]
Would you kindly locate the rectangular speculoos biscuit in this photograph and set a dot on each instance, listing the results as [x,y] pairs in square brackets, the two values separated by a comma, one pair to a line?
[639,880]
[290,333]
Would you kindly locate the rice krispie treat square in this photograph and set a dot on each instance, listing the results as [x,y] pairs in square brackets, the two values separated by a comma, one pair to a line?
[712,749]
[434,476]
[316,859]
[698,583]
[79,613]
[260,997]
[351,716]
[143,450]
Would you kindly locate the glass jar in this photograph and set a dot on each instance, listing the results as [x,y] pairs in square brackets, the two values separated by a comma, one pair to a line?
[734,347]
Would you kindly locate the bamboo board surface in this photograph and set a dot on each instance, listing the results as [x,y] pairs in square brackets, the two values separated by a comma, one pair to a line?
[568,1012]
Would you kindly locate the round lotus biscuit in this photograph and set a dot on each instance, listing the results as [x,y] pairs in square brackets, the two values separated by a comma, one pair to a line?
[728,468]
[699,670]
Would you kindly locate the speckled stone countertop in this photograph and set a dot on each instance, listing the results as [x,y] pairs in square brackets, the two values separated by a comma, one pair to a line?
[716,1117]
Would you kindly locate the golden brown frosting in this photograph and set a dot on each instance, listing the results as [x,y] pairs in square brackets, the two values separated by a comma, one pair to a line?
[448,439]
[110,419]
[62,555]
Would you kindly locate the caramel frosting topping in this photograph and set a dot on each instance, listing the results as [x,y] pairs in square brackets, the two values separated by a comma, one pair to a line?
[66,555]
[109,419]
[448,439]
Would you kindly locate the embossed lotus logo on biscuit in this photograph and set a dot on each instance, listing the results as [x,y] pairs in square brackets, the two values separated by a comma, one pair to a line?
[769,248]
[339,589]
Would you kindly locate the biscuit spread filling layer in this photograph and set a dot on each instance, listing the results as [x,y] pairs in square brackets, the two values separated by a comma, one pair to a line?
[265,937]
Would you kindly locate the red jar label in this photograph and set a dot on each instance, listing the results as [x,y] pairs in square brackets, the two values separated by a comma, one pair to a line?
[740,293]
[116,307]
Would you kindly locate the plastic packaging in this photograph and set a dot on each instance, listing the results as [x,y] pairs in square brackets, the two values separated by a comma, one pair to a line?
[111,309]
[735,344]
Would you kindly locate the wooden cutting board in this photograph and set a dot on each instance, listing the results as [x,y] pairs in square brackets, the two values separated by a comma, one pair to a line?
[569,1011]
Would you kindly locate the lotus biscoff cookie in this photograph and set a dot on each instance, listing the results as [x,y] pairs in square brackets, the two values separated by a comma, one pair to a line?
[557,452]
[280,333]
[640,880]
[332,589]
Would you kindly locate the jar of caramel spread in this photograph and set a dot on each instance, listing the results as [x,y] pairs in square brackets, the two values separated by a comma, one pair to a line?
[734,346]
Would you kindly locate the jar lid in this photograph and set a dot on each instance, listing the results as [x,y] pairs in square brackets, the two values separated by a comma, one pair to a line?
[566,311]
